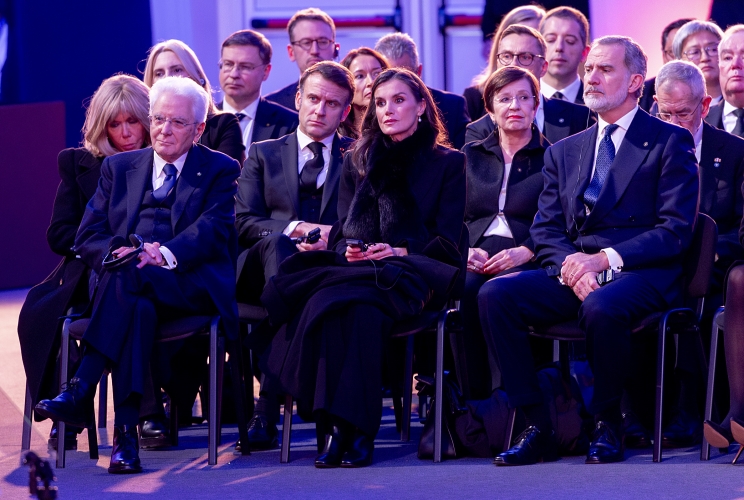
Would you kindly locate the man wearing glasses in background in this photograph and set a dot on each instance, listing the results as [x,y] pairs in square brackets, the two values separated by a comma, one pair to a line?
[245,63]
[557,119]
[312,38]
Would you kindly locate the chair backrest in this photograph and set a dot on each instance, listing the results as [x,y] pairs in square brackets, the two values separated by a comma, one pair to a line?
[698,261]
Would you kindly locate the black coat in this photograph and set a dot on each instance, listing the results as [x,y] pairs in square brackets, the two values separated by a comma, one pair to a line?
[454,113]
[647,97]
[474,99]
[272,121]
[38,323]
[485,175]
[562,119]
[284,96]
[223,134]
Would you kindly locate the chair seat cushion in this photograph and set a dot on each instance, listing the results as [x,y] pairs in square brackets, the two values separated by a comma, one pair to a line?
[169,331]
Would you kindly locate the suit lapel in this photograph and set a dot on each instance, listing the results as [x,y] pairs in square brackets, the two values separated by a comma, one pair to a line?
[555,122]
[191,176]
[580,94]
[632,154]
[291,175]
[710,160]
[138,179]
[579,161]
[334,172]
[715,115]
[264,125]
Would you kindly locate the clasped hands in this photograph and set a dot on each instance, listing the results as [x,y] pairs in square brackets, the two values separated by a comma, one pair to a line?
[149,256]
[579,271]
[479,263]
[375,251]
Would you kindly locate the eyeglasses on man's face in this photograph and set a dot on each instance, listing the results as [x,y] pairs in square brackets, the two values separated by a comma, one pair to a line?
[523,58]
[159,121]
[243,68]
[307,43]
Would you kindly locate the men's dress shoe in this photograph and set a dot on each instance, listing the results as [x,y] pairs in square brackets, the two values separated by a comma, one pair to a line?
[333,450]
[70,437]
[716,435]
[154,433]
[73,406]
[360,453]
[532,446]
[636,435]
[606,447]
[261,434]
[683,431]
[125,453]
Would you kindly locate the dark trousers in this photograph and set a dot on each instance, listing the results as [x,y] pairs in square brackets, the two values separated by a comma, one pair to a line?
[508,305]
[261,264]
[127,307]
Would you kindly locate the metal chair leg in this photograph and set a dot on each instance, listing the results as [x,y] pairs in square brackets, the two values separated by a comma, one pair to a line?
[439,387]
[64,359]
[27,416]
[715,332]
[660,389]
[405,425]
[212,423]
[236,371]
[102,400]
[509,434]
[286,428]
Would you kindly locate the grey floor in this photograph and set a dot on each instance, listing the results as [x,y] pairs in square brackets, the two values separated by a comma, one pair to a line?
[183,472]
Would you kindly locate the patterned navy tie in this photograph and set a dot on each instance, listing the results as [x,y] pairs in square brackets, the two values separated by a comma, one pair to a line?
[739,128]
[240,116]
[605,155]
[559,95]
[170,181]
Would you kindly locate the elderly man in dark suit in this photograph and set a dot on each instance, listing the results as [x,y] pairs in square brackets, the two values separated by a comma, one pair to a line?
[556,118]
[728,114]
[681,99]
[400,50]
[289,187]
[614,219]
[178,196]
[245,63]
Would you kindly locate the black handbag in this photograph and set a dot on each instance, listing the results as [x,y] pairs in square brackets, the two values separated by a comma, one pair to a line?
[452,406]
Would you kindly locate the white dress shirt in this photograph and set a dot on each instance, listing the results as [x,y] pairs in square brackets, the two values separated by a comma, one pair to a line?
[246,124]
[729,118]
[158,177]
[305,154]
[569,93]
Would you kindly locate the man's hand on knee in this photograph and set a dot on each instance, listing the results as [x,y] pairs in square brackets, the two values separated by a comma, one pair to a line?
[585,285]
[578,264]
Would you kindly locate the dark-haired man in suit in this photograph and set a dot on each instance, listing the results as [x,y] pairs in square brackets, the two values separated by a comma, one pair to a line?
[556,118]
[728,114]
[614,219]
[288,187]
[400,50]
[312,38]
[179,197]
[245,63]
[566,34]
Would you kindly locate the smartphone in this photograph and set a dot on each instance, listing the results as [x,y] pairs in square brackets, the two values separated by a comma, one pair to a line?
[354,243]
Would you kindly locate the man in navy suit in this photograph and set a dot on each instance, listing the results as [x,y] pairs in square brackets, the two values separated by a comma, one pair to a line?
[245,63]
[400,50]
[557,119]
[728,114]
[179,197]
[312,38]
[614,219]
[566,34]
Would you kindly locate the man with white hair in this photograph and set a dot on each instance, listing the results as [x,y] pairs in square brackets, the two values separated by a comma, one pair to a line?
[729,113]
[614,219]
[177,197]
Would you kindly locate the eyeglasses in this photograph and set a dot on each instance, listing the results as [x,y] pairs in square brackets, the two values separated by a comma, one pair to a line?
[307,43]
[694,54]
[524,58]
[177,123]
[521,99]
[243,69]
[681,117]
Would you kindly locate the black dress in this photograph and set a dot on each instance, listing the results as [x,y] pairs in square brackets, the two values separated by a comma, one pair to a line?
[333,317]
[485,173]
[38,323]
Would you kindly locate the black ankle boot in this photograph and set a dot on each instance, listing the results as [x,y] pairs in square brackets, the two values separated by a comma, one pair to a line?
[334,449]
[73,406]
[125,453]
[360,451]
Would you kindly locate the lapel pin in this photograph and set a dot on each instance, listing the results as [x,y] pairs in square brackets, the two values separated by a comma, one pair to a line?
[561,120]
[198,174]
[716,162]
[645,144]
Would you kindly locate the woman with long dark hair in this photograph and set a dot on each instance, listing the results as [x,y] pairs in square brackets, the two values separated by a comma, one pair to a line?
[365,65]
[401,206]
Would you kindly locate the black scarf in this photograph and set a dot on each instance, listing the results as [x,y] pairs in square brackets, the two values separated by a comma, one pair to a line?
[383,209]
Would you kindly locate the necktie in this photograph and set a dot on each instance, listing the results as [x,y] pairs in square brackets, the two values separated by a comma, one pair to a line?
[170,181]
[311,169]
[605,155]
[739,128]
[559,95]
[240,116]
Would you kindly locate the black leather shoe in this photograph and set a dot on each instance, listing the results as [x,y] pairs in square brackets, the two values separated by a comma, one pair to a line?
[360,452]
[532,446]
[717,435]
[155,433]
[125,453]
[635,434]
[261,434]
[333,450]
[606,447]
[683,431]
[73,406]
[70,437]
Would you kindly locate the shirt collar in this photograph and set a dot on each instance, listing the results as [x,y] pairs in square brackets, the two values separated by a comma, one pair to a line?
[160,163]
[303,140]
[623,122]
[728,108]
[570,92]
[249,111]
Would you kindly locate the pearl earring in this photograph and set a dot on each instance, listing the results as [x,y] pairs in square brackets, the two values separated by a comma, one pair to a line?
[419,119]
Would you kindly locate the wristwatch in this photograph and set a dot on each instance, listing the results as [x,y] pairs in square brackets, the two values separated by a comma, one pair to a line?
[605,277]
